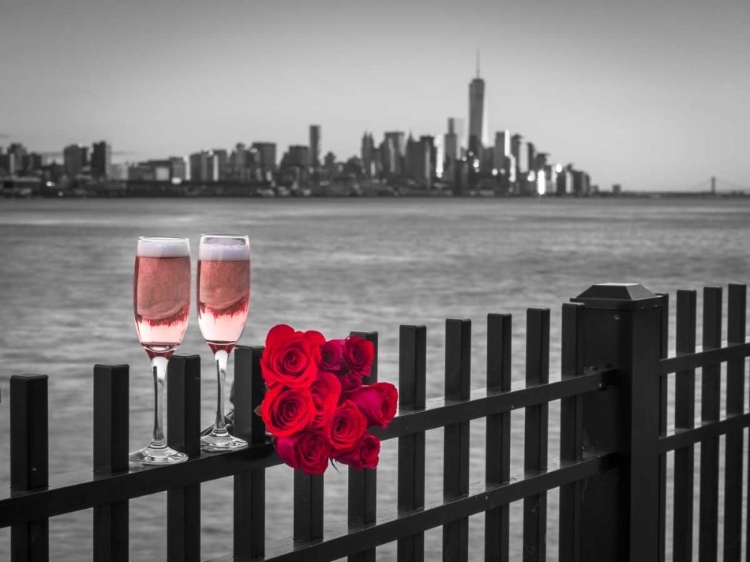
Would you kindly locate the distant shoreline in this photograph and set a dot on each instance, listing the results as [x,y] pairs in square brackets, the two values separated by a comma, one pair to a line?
[656,196]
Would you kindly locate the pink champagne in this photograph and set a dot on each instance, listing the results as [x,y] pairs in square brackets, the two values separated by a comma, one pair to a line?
[223,293]
[161,298]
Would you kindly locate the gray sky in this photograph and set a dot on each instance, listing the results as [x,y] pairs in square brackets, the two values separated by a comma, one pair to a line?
[649,93]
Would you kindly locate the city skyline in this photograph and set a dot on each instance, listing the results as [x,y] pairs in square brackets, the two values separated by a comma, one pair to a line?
[642,95]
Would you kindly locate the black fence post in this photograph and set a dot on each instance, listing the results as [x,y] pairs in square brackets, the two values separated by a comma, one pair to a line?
[183,434]
[456,436]
[29,461]
[412,385]
[362,496]
[111,432]
[622,325]
[497,435]
[250,486]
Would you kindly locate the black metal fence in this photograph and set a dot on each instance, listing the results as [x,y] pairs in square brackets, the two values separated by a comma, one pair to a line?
[611,471]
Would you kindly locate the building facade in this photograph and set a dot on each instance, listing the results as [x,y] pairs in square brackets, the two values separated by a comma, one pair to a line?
[74,160]
[478,133]
[315,146]
[101,160]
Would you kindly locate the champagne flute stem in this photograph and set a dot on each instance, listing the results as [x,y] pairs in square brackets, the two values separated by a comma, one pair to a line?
[221,358]
[159,368]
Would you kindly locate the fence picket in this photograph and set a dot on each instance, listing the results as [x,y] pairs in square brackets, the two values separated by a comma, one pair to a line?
[183,434]
[571,433]
[412,385]
[684,461]
[663,393]
[249,486]
[737,303]
[29,461]
[497,441]
[362,495]
[456,436]
[535,434]
[111,430]
[710,411]
[308,507]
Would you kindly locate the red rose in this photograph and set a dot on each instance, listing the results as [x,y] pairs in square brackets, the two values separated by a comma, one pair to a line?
[345,428]
[377,402]
[350,382]
[291,358]
[286,411]
[325,391]
[332,356]
[359,354]
[364,454]
[308,451]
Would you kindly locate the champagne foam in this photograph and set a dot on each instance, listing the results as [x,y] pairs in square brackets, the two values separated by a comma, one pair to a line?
[163,248]
[223,249]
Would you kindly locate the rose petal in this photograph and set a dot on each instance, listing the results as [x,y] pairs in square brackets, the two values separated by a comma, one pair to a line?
[278,334]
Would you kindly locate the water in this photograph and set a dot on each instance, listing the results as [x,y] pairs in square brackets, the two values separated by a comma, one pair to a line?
[335,266]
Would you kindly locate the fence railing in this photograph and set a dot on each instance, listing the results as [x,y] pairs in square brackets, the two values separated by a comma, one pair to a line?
[611,472]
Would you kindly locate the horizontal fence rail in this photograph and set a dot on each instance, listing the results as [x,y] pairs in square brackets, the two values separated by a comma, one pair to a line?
[611,471]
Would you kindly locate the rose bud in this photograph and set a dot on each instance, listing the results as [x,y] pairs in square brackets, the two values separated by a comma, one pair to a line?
[345,428]
[378,402]
[287,411]
[332,356]
[291,358]
[359,354]
[325,392]
[364,454]
[308,451]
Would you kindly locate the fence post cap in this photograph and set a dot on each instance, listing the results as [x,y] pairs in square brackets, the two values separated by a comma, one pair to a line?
[630,296]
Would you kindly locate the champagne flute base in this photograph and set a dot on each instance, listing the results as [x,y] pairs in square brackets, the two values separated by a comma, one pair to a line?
[214,443]
[157,456]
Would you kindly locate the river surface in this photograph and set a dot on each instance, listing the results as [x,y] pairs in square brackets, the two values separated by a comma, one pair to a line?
[334,265]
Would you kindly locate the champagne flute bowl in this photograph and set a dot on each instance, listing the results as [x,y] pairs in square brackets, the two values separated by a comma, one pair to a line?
[223,304]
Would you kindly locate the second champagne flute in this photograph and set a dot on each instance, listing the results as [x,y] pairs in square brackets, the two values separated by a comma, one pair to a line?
[223,303]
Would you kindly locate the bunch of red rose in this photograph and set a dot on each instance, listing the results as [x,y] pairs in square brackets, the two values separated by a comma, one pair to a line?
[316,406]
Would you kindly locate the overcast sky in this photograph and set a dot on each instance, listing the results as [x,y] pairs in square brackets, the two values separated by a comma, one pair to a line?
[653,94]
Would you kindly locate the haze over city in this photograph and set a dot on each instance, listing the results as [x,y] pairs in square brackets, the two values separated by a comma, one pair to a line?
[651,95]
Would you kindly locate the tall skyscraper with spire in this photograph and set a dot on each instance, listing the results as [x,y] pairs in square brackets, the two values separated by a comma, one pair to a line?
[478,133]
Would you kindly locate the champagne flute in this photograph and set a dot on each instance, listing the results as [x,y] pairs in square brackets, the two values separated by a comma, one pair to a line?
[223,303]
[161,302]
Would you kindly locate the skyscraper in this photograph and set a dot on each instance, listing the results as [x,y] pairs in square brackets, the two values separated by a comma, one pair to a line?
[204,166]
[74,159]
[388,156]
[452,142]
[396,162]
[101,160]
[266,155]
[531,159]
[540,161]
[419,159]
[222,157]
[477,114]
[366,153]
[501,149]
[298,155]
[427,156]
[7,163]
[315,146]
[177,168]
[19,153]
[412,157]
[518,152]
